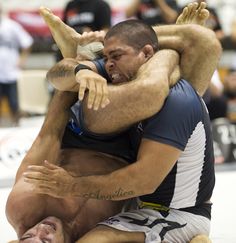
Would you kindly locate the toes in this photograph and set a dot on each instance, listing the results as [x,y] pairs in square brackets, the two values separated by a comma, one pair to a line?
[193,10]
[204,14]
[202,5]
[185,12]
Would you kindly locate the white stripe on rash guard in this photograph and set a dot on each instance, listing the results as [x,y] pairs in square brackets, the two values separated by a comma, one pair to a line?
[189,170]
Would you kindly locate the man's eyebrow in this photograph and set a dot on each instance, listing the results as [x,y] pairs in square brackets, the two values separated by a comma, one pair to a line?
[113,51]
[25,237]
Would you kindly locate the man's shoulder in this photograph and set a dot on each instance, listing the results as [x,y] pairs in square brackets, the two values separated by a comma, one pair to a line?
[182,98]
[182,86]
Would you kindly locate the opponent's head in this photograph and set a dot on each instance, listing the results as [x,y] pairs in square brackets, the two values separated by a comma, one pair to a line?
[127,46]
[50,229]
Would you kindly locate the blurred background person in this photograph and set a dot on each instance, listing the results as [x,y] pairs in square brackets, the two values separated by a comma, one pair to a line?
[153,12]
[230,94]
[85,16]
[15,46]
[215,99]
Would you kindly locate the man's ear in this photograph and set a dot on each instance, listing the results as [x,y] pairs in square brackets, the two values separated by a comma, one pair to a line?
[148,51]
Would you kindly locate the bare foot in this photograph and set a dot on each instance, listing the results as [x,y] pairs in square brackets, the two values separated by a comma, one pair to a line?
[65,37]
[194,13]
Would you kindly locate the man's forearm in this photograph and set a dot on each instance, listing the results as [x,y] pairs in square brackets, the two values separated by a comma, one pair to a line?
[129,102]
[111,186]
[136,100]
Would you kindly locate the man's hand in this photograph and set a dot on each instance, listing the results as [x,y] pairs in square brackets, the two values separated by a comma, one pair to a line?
[49,179]
[97,86]
[92,36]
[194,13]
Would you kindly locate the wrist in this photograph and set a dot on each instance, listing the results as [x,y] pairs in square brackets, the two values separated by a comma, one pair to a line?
[80,67]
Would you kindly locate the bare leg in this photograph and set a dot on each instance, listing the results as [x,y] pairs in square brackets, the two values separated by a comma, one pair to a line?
[66,37]
[69,41]
[103,234]
[200,239]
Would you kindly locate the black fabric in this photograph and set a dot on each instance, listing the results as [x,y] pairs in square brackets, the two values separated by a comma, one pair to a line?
[151,14]
[80,67]
[100,65]
[203,210]
[119,145]
[94,14]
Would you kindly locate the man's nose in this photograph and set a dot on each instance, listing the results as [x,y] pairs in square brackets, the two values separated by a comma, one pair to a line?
[42,230]
[110,64]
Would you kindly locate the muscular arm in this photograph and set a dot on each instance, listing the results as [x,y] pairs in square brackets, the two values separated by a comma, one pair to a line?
[132,101]
[152,156]
[193,42]
[199,50]
[145,172]
[138,99]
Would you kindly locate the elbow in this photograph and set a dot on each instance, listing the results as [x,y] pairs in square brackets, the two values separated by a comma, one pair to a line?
[148,188]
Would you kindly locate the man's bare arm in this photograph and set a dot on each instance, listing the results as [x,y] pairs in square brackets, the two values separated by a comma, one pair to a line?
[139,99]
[129,102]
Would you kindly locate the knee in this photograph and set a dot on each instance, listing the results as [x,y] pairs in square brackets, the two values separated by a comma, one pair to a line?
[200,239]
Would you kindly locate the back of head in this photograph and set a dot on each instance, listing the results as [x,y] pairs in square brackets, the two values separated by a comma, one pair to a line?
[134,33]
